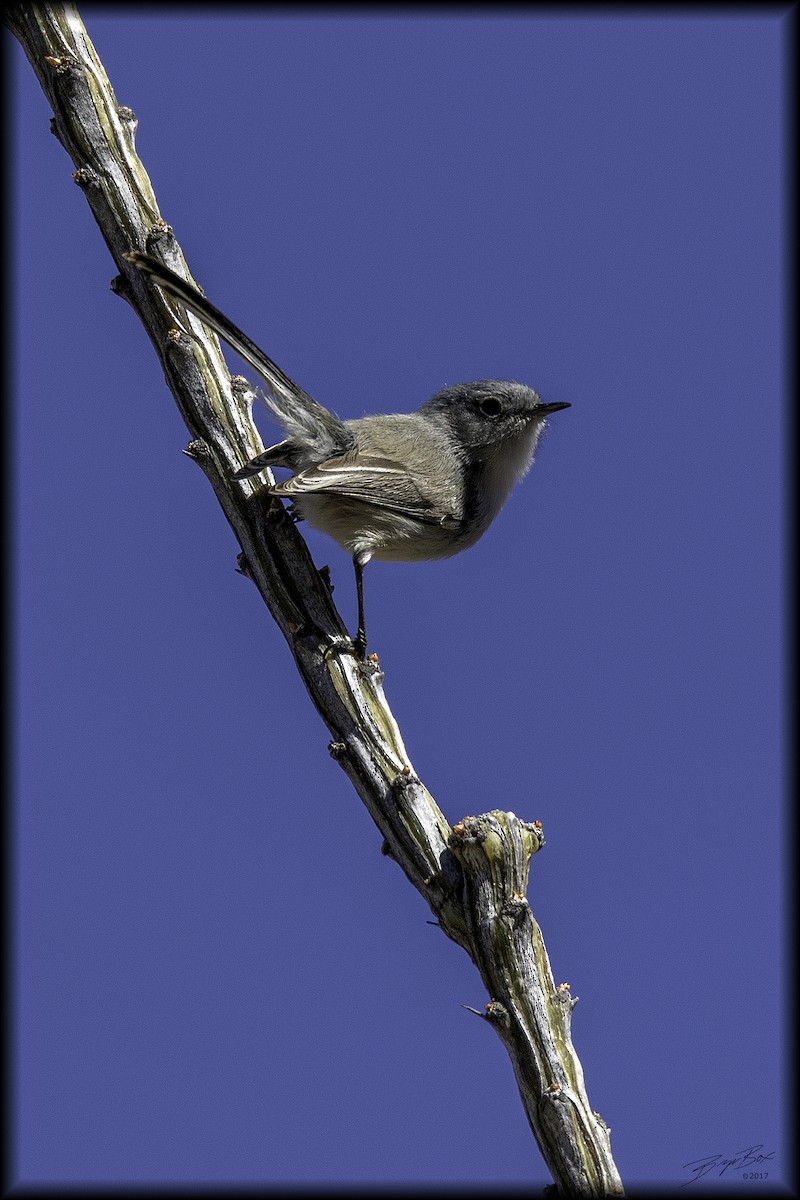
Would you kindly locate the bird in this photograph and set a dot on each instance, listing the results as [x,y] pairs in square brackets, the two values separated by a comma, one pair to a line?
[401,487]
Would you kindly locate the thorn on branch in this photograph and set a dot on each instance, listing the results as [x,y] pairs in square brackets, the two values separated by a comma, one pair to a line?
[337,751]
[405,778]
[157,232]
[197,449]
[325,576]
[606,1128]
[516,908]
[85,178]
[129,121]
[495,1013]
[61,66]
[243,566]
[243,392]
[470,830]
[302,629]
[564,997]
[566,1003]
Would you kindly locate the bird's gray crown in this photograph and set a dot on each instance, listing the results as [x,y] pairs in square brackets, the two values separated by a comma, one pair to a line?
[485,412]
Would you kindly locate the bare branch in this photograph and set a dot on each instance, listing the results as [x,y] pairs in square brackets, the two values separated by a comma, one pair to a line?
[474,876]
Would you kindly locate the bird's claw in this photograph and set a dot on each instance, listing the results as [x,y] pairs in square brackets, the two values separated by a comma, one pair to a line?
[356,646]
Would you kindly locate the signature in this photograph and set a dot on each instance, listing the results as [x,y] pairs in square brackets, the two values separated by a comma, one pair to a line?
[741,1160]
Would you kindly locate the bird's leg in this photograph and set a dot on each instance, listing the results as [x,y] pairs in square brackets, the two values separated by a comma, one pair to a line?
[360,643]
[358,646]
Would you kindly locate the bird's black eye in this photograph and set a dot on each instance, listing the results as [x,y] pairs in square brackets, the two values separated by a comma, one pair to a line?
[490,406]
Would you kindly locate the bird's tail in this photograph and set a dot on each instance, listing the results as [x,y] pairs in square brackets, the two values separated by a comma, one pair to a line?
[308,425]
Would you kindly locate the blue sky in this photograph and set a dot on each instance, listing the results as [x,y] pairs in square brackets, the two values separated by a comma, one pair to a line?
[220,977]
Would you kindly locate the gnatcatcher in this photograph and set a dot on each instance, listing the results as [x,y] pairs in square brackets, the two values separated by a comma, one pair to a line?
[400,488]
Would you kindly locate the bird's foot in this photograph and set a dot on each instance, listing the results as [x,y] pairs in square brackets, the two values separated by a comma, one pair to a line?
[356,646]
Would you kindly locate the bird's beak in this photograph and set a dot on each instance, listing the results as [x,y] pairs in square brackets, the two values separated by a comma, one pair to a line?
[544,410]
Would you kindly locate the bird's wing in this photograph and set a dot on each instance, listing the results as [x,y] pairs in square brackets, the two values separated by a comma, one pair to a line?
[369,477]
